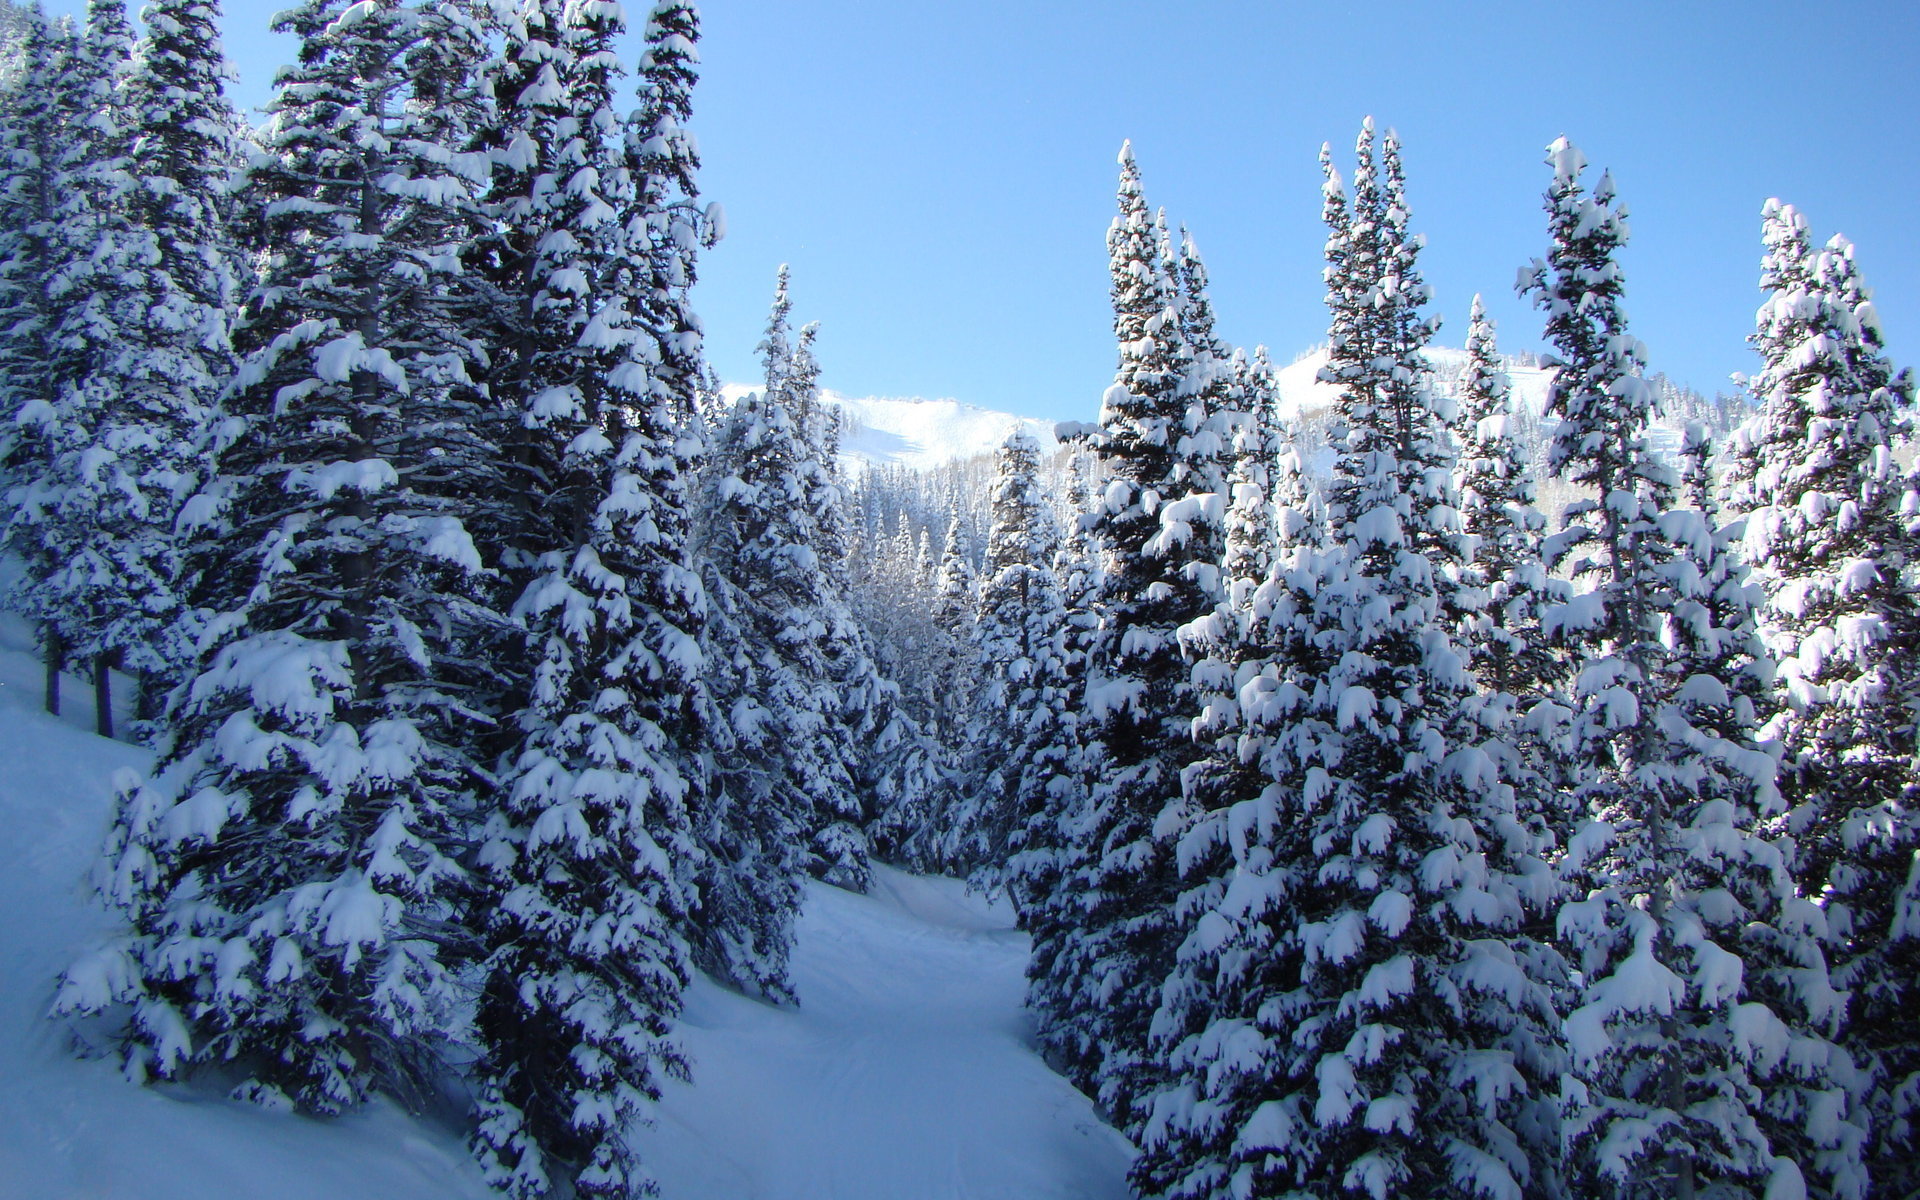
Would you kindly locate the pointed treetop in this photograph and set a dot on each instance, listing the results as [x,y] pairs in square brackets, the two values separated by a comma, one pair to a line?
[774,348]
[1332,189]
[1566,160]
[1126,153]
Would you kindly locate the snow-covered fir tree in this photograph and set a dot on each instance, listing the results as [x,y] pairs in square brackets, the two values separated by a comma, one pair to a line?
[1699,1033]
[1138,691]
[65,515]
[1833,550]
[1357,1008]
[1018,638]
[771,561]
[1503,578]
[1378,334]
[590,868]
[954,585]
[36,113]
[285,870]
[147,304]
[1049,849]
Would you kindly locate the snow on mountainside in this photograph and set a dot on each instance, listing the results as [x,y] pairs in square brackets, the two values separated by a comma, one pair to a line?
[1302,392]
[905,1074]
[917,433]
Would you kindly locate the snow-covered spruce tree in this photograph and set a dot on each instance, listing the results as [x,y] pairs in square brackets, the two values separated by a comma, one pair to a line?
[147,344]
[953,616]
[1049,849]
[591,866]
[285,869]
[1833,551]
[1702,987]
[1017,638]
[1378,334]
[1356,1009]
[29,256]
[767,561]
[70,585]
[1503,580]
[747,886]
[1214,386]
[1138,692]
[755,824]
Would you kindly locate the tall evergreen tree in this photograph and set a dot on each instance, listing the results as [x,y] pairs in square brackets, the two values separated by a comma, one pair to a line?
[1016,639]
[37,111]
[774,548]
[1832,548]
[147,332]
[1355,1009]
[1503,579]
[286,869]
[1701,983]
[592,864]
[1138,688]
[69,510]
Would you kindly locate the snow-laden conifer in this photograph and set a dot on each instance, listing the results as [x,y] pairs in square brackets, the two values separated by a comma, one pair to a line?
[1699,1036]
[147,300]
[954,585]
[594,861]
[1833,549]
[66,521]
[1357,1008]
[1050,849]
[1503,578]
[1138,693]
[1379,332]
[37,110]
[285,870]
[1018,637]
[773,547]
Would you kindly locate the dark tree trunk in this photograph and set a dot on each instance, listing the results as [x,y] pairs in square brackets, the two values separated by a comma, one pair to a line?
[146,704]
[103,693]
[56,652]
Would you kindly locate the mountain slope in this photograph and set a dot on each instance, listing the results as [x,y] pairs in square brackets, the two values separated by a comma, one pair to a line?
[916,433]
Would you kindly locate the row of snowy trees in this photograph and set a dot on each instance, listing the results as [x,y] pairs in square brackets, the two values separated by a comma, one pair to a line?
[501,674]
[1373,840]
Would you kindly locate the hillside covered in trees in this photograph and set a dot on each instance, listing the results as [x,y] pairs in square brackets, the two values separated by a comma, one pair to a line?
[1418,793]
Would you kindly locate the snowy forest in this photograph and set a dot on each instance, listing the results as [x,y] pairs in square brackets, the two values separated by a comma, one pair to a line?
[1376,827]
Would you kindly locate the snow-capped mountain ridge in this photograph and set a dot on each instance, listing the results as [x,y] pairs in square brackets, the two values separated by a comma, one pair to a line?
[916,432]
[921,433]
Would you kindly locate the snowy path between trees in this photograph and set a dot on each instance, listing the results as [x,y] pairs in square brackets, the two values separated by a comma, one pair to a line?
[904,1075]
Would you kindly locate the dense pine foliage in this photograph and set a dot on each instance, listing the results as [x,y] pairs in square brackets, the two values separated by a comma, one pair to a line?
[1374,837]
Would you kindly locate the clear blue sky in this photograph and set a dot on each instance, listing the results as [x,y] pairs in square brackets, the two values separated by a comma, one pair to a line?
[941,174]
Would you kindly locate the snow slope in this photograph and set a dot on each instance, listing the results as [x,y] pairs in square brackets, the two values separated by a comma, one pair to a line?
[916,433]
[904,1075]
[71,1128]
[1301,391]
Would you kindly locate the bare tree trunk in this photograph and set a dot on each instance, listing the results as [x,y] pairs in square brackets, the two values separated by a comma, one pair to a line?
[103,693]
[146,704]
[56,652]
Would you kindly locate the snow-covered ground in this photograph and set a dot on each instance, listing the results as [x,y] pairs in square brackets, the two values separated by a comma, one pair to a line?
[905,1075]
